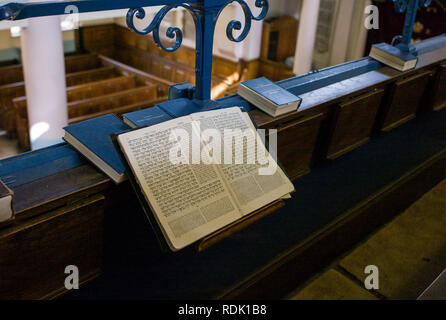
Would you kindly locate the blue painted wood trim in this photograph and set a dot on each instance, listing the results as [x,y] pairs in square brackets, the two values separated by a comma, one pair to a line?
[431,44]
[31,166]
[325,77]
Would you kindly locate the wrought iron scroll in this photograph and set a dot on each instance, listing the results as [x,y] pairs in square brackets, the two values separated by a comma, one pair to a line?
[249,16]
[154,26]
[176,33]
[205,14]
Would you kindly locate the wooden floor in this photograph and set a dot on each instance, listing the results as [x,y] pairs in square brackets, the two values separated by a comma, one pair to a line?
[8,147]
[410,253]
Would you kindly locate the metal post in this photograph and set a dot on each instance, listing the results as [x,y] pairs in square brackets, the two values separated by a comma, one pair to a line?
[411,8]
[409,22]
[207,11]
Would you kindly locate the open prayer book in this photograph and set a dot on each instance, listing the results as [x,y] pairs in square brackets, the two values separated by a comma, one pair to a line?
[191,193]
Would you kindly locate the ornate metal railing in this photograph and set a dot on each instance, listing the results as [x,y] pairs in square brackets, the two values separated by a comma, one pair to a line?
[204,12]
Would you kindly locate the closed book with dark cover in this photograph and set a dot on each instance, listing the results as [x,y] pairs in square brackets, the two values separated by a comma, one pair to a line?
[146,118]
[271,91]
[393,57]
[269,97]
[92,139]
[6,197]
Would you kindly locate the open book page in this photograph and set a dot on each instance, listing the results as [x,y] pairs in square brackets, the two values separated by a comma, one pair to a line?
[250,189]
[189,201]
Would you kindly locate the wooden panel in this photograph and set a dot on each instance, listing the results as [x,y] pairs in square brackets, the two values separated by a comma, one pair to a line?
[296,142]
[119,111]
[275,71]
[279,38]
[16,90]
[99,88]
[35,252]
[11,74]
[99,39]
[128,100]
[439,94]
[77,78]
[107,102]
[83,62]
[352,123]
[7,114]
[404,100]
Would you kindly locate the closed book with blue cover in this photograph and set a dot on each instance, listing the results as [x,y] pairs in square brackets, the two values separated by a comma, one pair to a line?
[269,97]
[393,56]
[146,118]
[92,139]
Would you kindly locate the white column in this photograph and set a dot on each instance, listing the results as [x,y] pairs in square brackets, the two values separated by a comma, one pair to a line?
[44,71]
[306,36]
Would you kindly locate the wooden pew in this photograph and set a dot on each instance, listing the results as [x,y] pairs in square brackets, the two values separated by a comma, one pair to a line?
[110,101]
[163,85]
[75,63]
[140,52]
[100,88]
[82,109]
[11,74]
[93,75]
[333,107]
[439,89]
[10,91]
[94,89]
[7,93]
[163,67]
[119,111]
[118,38]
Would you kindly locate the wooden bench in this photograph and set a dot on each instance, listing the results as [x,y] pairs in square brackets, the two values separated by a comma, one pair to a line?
[82,62]
[165,68]
[10,91]
[7,93]
[75,63]
[86,109]
[81,77]
[100,88]
[11,74]
[163,85]
[119,111]
[77,68]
